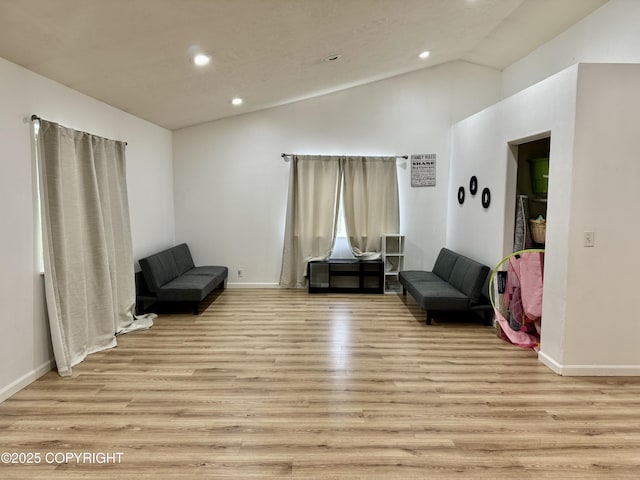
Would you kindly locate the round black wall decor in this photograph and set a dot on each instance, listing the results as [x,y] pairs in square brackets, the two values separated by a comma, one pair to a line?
[486,198]
[473,185]
[461,195]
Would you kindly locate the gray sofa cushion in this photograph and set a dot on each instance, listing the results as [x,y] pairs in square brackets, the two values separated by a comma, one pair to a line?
[468,277]
[445,263]
[441,296]
[411,276]
[182,257]
[434,293]
[188,288]
[215,271]
[159,269]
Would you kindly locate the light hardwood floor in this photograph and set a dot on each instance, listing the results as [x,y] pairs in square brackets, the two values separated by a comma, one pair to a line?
[282,384]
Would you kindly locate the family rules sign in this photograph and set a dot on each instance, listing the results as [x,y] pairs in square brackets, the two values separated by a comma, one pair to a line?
[423,170]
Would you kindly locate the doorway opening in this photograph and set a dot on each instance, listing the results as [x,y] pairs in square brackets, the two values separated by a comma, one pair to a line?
[528,173]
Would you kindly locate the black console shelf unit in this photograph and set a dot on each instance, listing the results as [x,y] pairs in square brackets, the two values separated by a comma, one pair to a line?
[346,276]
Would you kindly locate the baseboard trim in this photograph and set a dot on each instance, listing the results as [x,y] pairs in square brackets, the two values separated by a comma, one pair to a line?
[550,362]
[589,370]
[25,380]
[252,285]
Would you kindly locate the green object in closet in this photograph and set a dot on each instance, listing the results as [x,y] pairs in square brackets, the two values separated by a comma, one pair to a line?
[539,174]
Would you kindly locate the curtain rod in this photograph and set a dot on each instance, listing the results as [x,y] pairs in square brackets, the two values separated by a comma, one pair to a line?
[35,117]
[285,155]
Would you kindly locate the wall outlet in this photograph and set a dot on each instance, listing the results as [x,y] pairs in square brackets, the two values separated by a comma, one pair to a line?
[240,272]
[589,239]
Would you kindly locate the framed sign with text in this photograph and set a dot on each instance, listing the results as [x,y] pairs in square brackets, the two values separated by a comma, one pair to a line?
[423,170]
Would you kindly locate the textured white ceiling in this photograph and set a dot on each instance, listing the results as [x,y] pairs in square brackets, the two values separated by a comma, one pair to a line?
[135,54]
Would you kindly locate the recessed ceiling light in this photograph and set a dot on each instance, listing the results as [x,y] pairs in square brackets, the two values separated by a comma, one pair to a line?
[424,54]
[237,101]
[201,59]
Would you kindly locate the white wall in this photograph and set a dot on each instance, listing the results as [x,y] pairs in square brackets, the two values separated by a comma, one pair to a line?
[24,344]
[589,319]
[602,313]
[231,184]
[481,148]
[609,35]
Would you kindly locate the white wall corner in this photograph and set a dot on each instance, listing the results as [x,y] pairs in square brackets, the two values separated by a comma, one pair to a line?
[550,362]
[26,380]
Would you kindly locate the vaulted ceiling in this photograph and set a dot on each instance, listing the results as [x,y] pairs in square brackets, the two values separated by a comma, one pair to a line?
[137,54]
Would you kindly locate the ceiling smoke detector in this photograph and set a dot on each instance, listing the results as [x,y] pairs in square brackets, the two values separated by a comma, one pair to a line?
[333,58]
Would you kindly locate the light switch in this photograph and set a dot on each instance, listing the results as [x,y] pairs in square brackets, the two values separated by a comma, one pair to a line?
[589,239]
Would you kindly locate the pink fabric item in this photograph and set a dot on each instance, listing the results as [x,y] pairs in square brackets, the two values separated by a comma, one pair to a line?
[523,300]
[516,318]
[512,282]
[531,277]
[521,339]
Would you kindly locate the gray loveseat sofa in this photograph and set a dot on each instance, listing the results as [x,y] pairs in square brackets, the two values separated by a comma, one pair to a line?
[171,276]
[455,283]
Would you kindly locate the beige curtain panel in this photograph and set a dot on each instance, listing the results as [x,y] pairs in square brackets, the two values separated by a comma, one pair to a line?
[312,213]
[370,203]
[88,260]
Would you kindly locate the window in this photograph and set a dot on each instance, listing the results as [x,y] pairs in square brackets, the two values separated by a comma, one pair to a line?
[341,227]
[341,248]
